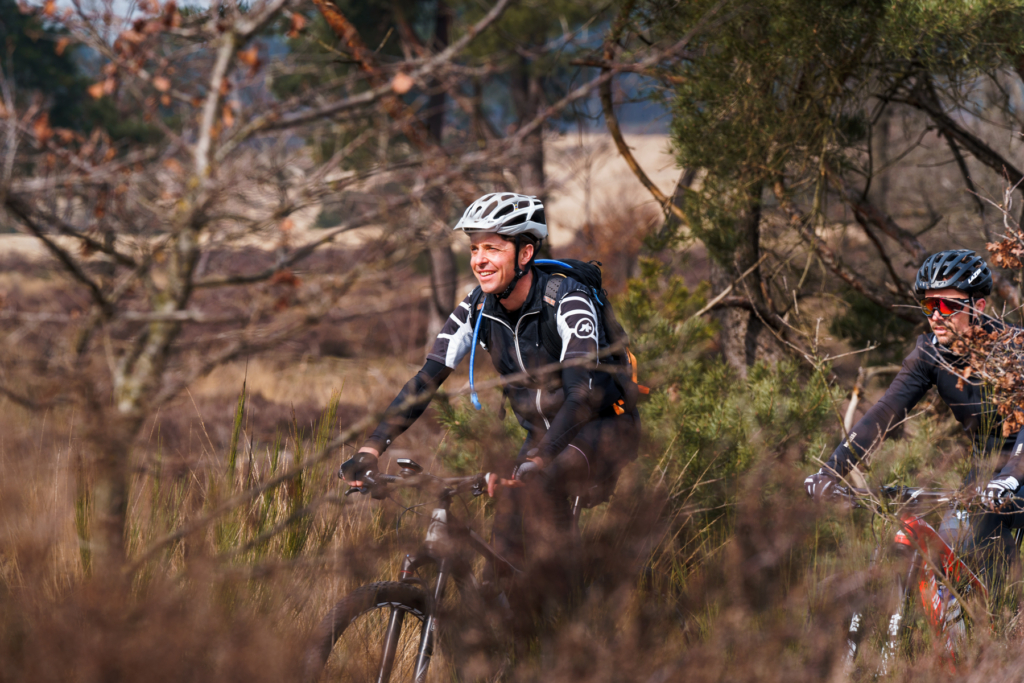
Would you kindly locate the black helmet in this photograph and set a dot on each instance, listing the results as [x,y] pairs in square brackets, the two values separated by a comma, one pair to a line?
[957,268]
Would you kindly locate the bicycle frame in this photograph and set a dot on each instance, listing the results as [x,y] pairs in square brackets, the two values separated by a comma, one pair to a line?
[932,564]
[442,546]
[445,536]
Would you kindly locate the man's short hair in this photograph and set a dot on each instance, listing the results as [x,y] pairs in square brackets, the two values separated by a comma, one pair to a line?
[524,239]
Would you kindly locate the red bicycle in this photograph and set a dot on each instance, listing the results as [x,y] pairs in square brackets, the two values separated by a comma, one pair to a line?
[934,572]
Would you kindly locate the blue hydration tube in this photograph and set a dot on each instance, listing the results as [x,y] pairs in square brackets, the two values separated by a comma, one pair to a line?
[552,262]
[473,398]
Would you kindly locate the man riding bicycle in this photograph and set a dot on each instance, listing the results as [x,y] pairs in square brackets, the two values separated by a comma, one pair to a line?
[951,286]
[578,435]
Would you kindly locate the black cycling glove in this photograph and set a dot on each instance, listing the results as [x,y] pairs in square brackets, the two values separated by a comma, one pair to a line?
[820,485]
[359,465]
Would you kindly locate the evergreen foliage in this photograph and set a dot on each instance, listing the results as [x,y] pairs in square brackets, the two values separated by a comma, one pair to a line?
[38,65]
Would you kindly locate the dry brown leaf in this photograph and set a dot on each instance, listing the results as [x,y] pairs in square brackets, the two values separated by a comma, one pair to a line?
[41,128]
[49,8]
[174,166]
[162,83]
[286,225]
[172,17]
[298,23]
[62,45]
[250,57]
[228,116]
[402,83]
[285,277]
[133,37]
[165,100]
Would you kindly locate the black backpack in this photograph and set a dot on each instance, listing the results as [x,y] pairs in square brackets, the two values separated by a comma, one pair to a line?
[620,363]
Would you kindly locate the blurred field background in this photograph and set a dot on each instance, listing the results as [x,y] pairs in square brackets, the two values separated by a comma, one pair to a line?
[227,247]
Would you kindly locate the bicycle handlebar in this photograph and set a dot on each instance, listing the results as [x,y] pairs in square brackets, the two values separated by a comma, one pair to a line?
[908,495]
[477,483]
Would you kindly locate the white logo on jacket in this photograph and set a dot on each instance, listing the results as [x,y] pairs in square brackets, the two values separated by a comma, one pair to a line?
[584,329]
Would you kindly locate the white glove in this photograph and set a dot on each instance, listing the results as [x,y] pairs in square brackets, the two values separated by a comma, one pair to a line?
[1000,490]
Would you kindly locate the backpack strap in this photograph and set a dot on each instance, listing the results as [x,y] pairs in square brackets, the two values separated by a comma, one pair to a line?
[476,304]
[549,336]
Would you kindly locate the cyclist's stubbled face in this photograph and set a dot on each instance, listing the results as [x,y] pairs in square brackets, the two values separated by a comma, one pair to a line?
[493,261]
[948,329]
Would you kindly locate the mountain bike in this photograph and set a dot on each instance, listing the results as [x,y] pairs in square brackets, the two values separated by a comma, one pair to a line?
[934,572]
[388,630]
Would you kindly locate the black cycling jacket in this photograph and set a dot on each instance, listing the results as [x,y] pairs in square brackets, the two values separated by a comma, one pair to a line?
[553,405]
[929,365]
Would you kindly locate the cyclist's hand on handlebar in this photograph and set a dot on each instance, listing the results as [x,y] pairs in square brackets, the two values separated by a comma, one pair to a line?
[494,481]
[1000,490]
[821,485]
[358,471]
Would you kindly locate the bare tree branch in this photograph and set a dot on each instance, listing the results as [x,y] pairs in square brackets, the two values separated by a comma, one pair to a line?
[229,43]
[70,263]
[924,99]
[22,210]
[608,107]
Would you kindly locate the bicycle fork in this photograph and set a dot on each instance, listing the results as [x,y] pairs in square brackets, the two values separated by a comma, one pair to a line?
[426,649]
[894,629]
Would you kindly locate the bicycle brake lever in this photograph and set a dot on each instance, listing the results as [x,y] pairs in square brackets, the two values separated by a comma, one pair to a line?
[479,487]
[356,489]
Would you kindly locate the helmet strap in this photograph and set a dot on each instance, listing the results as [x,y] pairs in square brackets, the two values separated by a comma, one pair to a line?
[515,278]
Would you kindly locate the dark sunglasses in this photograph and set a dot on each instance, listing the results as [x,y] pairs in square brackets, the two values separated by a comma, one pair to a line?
[946,307]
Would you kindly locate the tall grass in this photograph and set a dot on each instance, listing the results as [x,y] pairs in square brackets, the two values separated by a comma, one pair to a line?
[709,563]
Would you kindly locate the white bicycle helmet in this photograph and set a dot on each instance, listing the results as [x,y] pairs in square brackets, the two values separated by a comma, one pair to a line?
[505,213]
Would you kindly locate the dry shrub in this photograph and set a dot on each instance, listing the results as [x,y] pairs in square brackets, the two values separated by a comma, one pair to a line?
[170,633]
[707,564]
[768,602]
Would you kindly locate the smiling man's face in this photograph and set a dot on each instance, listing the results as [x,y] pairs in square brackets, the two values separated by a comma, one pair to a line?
[946,329]
[493,261]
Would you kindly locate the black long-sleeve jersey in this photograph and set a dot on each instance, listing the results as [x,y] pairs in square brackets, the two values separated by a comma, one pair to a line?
[551,406]
[932,364]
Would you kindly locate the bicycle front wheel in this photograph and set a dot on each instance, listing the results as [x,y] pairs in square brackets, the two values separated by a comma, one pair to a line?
[371,635]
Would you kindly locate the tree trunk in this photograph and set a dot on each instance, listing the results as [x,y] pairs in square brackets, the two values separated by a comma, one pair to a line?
[443,273]
[443,283]
[880,158]
[110,437]
[743,338]
[528,97]
[436,102]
